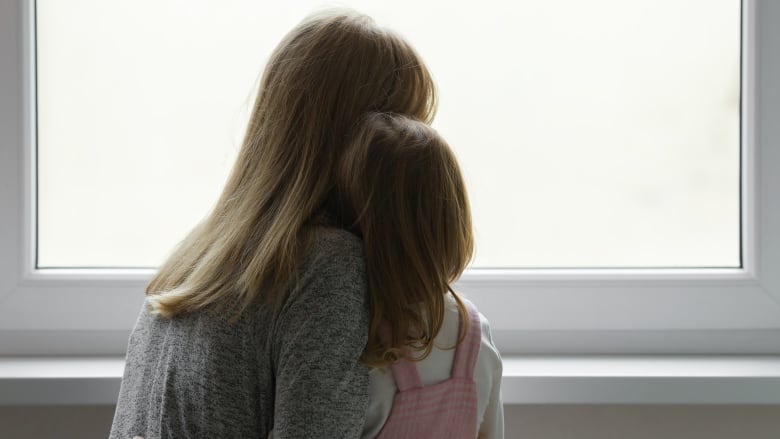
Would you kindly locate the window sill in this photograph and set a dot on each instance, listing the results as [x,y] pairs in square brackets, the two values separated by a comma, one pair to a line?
[527,380]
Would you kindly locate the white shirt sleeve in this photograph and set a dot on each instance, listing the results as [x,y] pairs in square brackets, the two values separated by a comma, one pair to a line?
[492,426]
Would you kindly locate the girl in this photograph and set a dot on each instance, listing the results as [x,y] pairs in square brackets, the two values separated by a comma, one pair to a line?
[259,318]
[401,189]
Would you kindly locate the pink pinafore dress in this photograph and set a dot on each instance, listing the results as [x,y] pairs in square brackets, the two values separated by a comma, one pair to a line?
[444,410]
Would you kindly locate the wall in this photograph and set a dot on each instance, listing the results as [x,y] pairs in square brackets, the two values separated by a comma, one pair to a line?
[522,422]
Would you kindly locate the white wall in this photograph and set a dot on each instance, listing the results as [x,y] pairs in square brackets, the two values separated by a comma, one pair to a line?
[522,422]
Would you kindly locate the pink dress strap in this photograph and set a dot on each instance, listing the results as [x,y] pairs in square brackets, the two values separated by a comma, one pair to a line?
[406,375]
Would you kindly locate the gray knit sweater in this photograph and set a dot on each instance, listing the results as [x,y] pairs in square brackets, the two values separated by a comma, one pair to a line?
[197,376]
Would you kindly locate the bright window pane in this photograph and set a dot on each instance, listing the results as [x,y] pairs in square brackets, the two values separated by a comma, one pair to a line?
[593,134]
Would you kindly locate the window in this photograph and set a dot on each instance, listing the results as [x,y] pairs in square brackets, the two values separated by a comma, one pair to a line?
[594,134]
[729,307]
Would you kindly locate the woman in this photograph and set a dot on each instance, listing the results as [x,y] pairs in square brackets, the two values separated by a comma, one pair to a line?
[259,318]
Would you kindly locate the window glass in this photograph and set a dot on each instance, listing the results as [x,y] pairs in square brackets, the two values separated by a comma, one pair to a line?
[592,134]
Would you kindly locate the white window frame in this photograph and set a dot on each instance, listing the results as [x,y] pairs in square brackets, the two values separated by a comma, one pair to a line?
[625,311]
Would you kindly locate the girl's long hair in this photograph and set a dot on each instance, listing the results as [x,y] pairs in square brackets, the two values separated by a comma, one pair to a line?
[324,75]
[401,188]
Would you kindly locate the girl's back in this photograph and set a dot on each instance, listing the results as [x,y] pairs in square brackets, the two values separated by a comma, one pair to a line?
[437,368]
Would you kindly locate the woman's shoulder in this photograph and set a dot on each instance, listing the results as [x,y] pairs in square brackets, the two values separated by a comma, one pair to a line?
[326,235]
[333,249]
[333,265]
[334,241]
[331,285]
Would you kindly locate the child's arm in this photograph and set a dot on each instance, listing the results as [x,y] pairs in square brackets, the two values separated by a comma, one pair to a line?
[492,426]
[493,422]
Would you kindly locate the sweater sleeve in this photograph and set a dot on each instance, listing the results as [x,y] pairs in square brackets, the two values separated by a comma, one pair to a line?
[321,385]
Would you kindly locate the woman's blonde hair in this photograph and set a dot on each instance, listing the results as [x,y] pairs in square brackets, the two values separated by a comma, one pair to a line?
[401,188]
[321,79]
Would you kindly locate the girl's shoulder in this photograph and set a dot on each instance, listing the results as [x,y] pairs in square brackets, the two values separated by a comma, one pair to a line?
[488,351]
